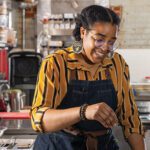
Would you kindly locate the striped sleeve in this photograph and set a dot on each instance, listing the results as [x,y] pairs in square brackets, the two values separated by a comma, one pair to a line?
[45,94]
[130,120]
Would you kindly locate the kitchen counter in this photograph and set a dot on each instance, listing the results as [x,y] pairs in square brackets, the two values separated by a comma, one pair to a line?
[19,134]
[142,98]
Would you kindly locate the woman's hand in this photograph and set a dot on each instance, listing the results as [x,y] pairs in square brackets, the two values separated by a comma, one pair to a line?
[102,113]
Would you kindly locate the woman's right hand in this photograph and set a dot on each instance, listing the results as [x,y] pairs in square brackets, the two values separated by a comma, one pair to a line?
[102,113]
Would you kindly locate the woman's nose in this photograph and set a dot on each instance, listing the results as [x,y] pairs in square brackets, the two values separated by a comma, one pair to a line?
[105,46]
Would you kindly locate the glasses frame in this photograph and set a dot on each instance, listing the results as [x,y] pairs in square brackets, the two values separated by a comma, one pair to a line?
[111,47]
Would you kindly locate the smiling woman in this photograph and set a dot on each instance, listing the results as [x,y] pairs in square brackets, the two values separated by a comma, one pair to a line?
[81,92]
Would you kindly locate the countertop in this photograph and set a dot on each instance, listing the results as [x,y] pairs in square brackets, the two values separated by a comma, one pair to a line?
[19,134]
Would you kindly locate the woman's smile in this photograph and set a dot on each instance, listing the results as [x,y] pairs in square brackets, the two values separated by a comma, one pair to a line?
[99,53]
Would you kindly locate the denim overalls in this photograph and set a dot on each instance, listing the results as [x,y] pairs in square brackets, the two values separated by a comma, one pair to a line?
[79,93]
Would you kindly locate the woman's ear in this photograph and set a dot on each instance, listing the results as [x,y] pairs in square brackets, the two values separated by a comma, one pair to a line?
[82,32]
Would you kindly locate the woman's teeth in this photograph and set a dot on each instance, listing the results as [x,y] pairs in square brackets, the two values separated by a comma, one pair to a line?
[98,53]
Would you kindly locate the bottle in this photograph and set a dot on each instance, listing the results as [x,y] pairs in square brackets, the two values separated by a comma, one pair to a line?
[51,22]
[62,25]
[43,38]
[67,20]
[57,24]
[72,26]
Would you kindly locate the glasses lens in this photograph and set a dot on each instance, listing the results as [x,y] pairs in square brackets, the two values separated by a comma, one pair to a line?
[99,43]
[114,46]
[111,46]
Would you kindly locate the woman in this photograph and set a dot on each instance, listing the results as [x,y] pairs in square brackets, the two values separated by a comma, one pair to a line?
[83,91]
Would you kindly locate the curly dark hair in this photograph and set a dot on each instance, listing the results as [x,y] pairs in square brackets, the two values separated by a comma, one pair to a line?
[93,14]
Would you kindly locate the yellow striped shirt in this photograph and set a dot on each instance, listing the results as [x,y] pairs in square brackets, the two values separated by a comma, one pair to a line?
[52,86]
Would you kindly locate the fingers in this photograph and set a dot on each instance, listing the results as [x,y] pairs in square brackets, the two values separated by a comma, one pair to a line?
[106,116]
[107,120]
[111,112]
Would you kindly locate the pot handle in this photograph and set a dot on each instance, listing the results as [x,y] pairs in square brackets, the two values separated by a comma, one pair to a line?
[22,100]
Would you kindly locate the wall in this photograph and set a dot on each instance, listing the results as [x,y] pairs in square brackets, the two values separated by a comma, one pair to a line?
[138,61]
[135,30]
[68,5]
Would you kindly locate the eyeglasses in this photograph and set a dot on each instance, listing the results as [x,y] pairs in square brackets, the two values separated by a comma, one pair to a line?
[99,42]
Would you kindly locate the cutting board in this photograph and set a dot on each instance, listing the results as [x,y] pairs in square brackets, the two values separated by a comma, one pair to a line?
[14,115]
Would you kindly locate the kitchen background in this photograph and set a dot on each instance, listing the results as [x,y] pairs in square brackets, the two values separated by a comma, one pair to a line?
[30,26]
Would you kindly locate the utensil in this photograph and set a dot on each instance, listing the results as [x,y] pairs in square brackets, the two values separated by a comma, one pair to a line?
[2,130]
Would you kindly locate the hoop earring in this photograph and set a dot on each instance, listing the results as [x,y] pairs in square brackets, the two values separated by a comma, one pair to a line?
[77,46]
[110,54]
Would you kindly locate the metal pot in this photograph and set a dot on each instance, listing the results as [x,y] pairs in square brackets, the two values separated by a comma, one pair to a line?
[16,99]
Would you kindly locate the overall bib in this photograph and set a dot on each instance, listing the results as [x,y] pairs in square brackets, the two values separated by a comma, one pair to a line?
[79,93]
